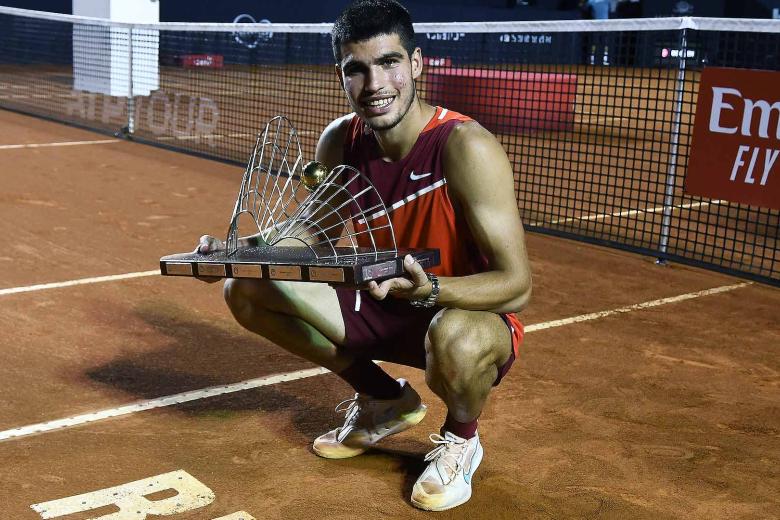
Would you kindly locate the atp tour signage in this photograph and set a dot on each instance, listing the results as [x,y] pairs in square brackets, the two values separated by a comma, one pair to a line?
[735,152]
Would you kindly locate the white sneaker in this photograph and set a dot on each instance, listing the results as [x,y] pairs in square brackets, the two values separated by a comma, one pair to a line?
[446,482]
[368,421]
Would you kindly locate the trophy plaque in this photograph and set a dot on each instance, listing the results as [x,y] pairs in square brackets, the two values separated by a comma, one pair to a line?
[307,223]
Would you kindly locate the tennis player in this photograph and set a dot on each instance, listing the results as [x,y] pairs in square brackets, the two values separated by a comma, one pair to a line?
[451,187]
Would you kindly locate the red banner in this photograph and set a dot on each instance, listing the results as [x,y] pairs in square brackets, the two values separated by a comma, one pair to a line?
[735,152]
[211,61]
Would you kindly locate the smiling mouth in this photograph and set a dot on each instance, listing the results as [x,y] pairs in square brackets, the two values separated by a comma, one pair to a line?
[378,104]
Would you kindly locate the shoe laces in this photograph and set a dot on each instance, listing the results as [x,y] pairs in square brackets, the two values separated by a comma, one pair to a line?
[450,451]
[351,408]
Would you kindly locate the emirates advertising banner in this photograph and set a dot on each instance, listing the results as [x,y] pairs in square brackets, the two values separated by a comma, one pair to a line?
[735,152]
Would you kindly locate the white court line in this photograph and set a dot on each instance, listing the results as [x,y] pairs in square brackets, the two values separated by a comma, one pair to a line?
[202,136]
[188,137]
[627,213]
[81,281]
[66,143]
[160,402]
[212,391]
[635,307]
[35,96]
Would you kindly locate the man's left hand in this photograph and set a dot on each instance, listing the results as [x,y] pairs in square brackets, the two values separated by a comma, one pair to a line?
[416,287]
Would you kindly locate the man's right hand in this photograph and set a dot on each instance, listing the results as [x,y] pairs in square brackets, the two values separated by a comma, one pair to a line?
[209,244]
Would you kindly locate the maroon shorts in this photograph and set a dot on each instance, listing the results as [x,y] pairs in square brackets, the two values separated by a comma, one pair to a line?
[392,330]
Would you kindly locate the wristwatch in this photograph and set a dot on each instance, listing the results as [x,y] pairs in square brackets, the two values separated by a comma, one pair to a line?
[432,298]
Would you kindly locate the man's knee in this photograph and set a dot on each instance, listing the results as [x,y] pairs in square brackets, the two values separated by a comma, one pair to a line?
[456,345]
[245,297]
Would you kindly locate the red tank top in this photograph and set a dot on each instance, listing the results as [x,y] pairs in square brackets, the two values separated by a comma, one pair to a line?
[414,191]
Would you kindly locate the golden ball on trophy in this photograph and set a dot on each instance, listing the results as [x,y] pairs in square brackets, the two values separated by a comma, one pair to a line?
[313,174]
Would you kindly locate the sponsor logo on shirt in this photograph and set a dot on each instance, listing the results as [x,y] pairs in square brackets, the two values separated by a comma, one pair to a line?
[418,176]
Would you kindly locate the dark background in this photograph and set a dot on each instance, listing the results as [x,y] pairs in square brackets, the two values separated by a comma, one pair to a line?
[307,11]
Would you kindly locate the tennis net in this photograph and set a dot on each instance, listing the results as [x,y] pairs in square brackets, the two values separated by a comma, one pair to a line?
[597,117]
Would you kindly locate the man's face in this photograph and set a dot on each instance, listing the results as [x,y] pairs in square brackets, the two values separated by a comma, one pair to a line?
[378,78]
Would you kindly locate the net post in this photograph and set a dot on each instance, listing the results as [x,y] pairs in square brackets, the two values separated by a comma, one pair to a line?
[130,100]
[671,175]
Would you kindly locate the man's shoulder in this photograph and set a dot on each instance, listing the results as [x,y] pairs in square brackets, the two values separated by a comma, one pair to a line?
[336,131]
[472,154]
[331,142]
[444,118]
[468,136]
[339,125]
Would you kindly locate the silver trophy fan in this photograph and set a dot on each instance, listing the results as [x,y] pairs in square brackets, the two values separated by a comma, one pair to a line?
[307,224]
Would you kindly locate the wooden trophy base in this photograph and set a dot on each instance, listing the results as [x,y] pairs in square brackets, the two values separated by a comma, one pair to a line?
[300,264]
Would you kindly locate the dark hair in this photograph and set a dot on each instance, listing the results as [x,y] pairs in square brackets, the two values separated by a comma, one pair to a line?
[364,19]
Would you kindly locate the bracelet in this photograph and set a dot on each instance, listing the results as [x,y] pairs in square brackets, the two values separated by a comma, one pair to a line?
[432,298]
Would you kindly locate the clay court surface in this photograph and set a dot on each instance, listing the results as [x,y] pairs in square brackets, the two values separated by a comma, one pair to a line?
[665,406]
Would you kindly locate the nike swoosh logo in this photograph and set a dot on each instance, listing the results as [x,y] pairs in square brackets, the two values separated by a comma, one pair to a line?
[468,474]
[417,177]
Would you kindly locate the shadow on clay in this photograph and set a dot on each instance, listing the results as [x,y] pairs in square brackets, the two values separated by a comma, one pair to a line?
[198,354]
[396,455]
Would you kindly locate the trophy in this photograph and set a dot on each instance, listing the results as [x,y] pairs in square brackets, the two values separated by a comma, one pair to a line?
[307,223]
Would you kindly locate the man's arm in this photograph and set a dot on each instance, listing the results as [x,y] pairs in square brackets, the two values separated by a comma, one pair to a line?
[481,184]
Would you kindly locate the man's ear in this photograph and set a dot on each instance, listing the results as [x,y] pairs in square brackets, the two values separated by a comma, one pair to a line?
[338,74]
[417,62]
